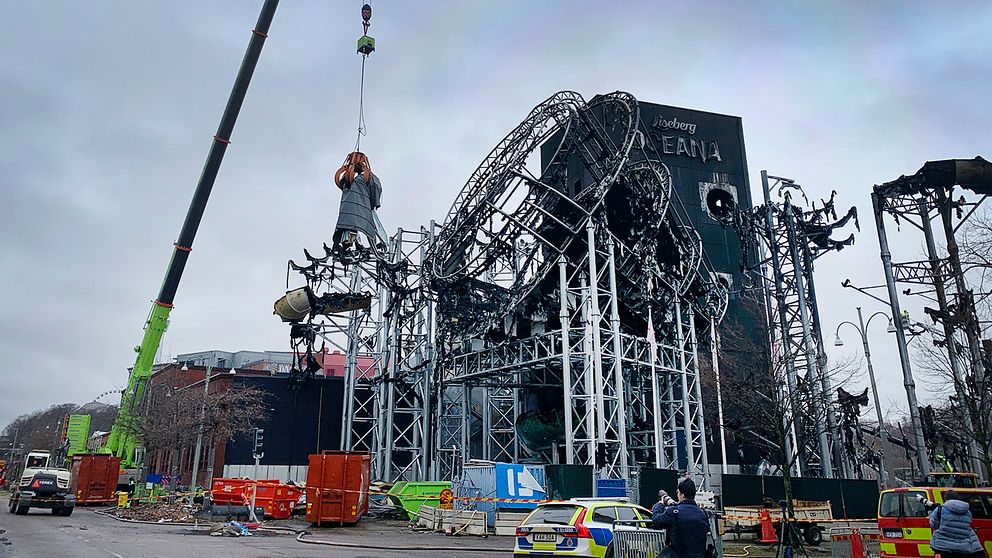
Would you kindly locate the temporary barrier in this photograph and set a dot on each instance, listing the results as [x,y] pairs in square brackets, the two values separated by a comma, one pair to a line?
[466,522]
[276,498]
[273,496]
[409,496]
[507,522]
[94,477]
[338,486]
[854,542]
[849,498]
[631,542]
[499,487]
[569,481]
[651,480]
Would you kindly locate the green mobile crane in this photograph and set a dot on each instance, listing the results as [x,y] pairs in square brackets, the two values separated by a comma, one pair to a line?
[123,441]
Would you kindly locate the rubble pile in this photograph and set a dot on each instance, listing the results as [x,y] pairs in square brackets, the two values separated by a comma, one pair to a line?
[161,512]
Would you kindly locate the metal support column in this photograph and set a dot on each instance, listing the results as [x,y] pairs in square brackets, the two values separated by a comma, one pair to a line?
[715,358]
[940,290]
[820,407]
[907,370]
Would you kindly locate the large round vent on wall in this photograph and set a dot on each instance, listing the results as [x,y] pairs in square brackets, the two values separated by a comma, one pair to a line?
[719,200]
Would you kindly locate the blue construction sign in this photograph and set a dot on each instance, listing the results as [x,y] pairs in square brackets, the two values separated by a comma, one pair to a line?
[515,482]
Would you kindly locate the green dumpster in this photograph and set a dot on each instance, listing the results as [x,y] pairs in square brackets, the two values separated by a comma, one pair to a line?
[409,496]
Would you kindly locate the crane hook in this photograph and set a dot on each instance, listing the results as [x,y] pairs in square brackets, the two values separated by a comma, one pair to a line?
[366,16]
[366,44]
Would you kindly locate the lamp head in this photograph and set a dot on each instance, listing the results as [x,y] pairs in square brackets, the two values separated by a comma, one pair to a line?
[838,342]
[891,328]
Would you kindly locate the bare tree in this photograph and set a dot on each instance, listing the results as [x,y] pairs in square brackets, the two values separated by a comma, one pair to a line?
[171,417]
[966,397]
[768,411]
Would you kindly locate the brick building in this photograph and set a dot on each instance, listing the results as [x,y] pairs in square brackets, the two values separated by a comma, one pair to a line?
[300,422]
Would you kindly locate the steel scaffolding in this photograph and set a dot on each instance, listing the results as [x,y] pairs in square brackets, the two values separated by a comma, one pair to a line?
[918,200]
[792,238]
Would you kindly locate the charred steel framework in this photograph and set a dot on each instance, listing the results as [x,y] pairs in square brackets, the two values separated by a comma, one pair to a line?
[383,322]
[918,200]
[535,282]
[792,238]
[554,288]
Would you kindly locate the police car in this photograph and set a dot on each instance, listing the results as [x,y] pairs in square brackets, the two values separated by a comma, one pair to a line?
[576,527]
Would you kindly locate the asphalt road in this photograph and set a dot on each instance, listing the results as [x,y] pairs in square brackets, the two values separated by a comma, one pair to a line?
[87,534]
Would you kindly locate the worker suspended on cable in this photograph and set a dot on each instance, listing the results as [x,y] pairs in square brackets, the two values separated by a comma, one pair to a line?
[361,194]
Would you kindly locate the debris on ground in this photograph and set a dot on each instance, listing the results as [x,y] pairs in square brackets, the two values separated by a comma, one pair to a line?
[231,529]
[160,512]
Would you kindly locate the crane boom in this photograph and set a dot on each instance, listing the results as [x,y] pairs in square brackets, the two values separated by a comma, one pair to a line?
[123,439]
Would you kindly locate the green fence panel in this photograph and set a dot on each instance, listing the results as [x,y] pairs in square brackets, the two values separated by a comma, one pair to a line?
[860,498]
[568,481]
[820,490]
[849,498]
[651,481]
[750,490]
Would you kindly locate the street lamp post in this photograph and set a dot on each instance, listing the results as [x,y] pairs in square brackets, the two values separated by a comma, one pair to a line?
[199,434]
[862,328]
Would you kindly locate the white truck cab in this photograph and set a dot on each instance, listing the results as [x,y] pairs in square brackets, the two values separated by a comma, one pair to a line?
[42,486]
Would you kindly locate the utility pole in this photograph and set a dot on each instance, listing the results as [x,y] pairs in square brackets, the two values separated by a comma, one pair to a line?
[715,355]
[953,359]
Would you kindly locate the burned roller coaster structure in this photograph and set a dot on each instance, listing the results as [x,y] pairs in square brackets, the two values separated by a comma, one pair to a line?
[552,316]
[558,312]
[550,279]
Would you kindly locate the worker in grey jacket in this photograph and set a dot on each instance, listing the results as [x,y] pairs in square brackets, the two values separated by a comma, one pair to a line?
[953,535]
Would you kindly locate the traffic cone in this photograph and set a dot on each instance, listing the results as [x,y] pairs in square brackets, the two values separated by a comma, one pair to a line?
[768,529]
[857,545]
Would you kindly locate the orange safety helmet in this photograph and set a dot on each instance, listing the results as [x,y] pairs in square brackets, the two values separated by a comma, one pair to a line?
[354,163]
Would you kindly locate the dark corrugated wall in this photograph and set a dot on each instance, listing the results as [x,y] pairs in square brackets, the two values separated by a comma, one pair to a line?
[302,421]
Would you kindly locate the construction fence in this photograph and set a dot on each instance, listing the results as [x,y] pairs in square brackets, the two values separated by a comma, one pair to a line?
[849,498]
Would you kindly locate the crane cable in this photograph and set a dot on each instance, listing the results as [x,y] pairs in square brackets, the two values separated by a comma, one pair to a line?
[356,161]
[366,46]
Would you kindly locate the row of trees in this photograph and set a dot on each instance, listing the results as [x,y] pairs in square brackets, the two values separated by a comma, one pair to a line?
[173,416]
[41,430]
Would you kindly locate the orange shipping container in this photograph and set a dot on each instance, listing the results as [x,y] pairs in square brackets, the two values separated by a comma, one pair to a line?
[94,477]
[338,486]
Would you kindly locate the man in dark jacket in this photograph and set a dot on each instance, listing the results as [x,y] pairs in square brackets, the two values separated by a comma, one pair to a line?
[953,535]
[687,525]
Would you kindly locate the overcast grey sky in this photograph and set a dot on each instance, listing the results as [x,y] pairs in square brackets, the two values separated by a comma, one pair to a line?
[107,109]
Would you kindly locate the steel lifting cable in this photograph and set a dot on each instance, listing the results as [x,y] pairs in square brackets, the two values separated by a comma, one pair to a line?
[366,46]
[362,130]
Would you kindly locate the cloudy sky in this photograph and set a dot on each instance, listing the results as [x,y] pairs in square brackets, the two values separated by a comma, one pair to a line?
[107,110]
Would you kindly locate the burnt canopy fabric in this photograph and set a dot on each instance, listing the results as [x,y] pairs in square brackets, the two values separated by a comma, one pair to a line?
[359,200]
